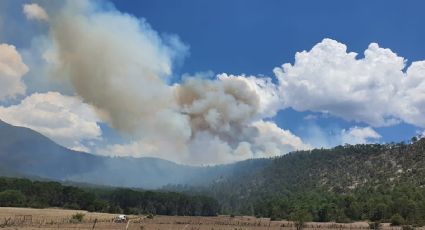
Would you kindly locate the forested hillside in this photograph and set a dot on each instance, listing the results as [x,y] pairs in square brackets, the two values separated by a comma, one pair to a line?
[346,183]
[37,194]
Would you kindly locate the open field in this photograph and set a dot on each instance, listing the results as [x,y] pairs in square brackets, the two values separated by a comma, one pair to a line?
[27,218]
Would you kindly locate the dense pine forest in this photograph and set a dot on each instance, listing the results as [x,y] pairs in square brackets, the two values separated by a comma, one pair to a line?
[37,194]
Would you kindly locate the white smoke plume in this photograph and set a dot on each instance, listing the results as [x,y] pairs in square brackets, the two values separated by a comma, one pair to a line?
[226,118]
[120,65]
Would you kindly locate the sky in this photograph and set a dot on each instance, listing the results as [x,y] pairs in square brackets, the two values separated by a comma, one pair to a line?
[209,82]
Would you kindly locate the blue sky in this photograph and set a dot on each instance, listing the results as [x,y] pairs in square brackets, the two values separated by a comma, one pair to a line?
[253,37]
[112,78]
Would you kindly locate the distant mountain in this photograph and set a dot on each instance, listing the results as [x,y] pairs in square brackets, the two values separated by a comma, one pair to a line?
[26,153]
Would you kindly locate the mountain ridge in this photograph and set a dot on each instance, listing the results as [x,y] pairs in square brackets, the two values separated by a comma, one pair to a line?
[27,153]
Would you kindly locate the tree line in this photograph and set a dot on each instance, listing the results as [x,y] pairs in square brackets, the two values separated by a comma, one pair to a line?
[400,205]
[38,194]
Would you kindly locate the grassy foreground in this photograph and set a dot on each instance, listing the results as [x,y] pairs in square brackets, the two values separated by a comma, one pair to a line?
[28,218]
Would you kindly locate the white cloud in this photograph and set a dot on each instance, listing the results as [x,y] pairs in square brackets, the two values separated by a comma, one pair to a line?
[373,89]
[11,71]
[64,119]
[274,141]
[359,135]
[310,117]
[328,137]
[34,11]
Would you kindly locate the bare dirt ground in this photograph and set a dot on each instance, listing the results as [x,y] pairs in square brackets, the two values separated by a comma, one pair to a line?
[27,218]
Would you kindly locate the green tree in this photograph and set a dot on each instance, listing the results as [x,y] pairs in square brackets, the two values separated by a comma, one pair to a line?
[300,217]
[13,198]
[397,220]
[378,212]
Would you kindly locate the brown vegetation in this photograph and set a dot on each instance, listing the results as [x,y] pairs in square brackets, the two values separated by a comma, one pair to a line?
[27,218]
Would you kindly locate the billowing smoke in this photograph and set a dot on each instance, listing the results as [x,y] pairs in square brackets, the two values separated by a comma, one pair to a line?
[226,118]
[224,107]
[120,65]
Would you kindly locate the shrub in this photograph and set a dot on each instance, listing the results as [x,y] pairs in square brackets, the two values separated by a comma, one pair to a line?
[78,217]
[407,227]
[275,218]
[343,219]
[397,220]
[299,217]
[375,225]
[71,206]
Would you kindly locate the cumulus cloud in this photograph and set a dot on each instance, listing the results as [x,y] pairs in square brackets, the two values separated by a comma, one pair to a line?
[359,135]
[273,141]
[373,89]
[12,69]
[64,119]
[34,11]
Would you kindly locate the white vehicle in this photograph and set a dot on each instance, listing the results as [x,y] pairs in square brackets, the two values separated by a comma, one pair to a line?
[121,219]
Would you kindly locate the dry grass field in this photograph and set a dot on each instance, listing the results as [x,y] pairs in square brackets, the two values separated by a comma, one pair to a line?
[27,218]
